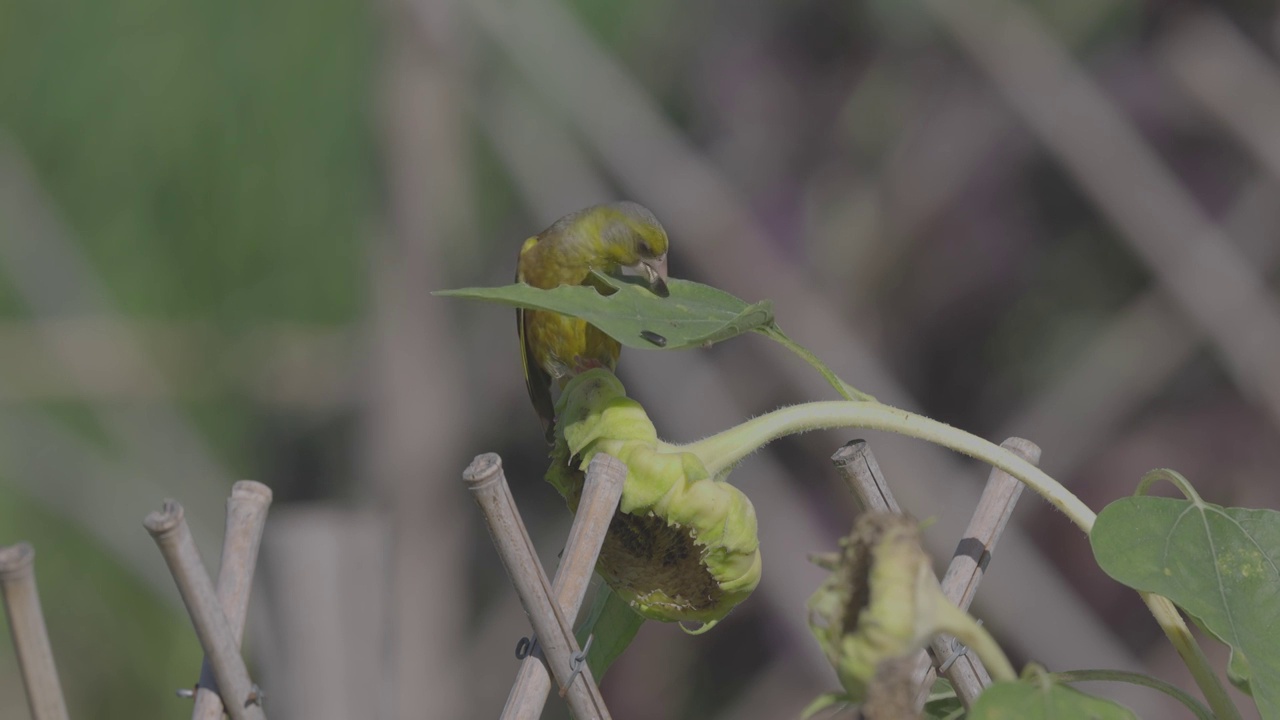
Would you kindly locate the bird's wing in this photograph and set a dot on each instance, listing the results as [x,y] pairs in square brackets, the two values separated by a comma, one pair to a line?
[536,380]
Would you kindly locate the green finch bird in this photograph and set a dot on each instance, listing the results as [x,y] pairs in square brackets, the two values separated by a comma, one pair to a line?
[603,238]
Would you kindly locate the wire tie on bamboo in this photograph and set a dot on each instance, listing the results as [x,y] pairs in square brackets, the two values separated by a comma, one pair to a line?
[578,662]
[958,649]
[526,647]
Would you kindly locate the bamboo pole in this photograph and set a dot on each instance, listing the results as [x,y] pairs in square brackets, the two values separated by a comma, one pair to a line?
[169,529]
[860,471]
[246,515]
[488,485]
[600,494]
[968,564]
[30,639]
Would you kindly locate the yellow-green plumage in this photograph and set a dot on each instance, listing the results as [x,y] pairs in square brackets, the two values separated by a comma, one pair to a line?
[604,238]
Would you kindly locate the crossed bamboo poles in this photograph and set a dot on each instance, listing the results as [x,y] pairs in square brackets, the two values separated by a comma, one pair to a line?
[218,611]
[551,608]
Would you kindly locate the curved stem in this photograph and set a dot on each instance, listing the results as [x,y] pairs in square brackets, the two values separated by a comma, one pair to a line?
[1074,676]
[721,451]
[1173,477]
[773,332]
[1175,628]
[1171,622]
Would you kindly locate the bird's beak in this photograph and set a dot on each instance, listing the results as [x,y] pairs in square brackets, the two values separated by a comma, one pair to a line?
[655,273]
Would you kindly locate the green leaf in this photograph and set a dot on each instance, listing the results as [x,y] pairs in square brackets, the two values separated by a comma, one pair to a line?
[1195,706]
[613,624]
[825,701]
[1041,699]
[692,314]
[942,703]
[689,315]
[944,710]
[1220,565]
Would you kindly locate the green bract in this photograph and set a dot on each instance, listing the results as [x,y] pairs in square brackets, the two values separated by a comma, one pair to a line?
[881,604]
[865,613]
[683,545]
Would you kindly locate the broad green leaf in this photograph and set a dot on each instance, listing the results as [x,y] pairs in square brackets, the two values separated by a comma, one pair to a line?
[1220,565]
[613,624]
[692,314]
[1040,699]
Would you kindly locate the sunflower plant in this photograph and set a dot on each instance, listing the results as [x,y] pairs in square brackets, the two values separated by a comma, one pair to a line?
[683,547]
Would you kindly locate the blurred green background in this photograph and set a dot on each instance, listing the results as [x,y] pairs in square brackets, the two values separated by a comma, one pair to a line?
[212,162]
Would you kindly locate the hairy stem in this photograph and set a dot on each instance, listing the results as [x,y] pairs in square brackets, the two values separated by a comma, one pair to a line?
[724,450]
[1175,628]
[846,390]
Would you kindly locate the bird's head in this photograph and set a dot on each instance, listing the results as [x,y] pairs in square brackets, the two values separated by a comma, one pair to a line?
[633,238]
